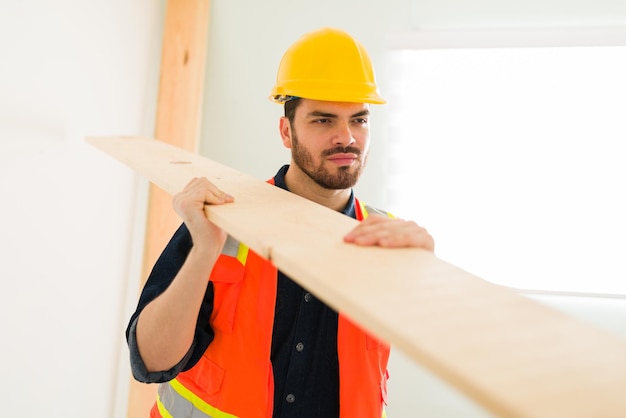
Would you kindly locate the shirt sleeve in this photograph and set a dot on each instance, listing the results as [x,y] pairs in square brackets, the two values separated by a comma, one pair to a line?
[163,273]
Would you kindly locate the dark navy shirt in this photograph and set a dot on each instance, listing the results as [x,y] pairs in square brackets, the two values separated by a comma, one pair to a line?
[304,338]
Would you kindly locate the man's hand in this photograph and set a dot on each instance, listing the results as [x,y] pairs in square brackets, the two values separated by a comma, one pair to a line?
[189,204]
[387,232]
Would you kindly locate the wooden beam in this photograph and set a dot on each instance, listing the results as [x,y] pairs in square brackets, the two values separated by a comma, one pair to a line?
[513,356]
[177,122]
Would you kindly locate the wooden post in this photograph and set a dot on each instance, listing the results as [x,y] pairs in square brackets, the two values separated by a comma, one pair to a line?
[179,110]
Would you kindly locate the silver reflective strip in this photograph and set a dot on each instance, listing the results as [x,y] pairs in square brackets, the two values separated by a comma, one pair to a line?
[231,247]
[371,210]
[176,405]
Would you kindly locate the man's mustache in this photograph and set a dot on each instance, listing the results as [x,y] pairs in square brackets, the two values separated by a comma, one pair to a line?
[341,150]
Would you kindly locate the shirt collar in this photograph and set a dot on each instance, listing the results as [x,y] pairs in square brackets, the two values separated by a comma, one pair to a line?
[279,180]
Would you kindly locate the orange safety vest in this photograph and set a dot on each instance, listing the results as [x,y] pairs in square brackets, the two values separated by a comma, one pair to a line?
[234,377]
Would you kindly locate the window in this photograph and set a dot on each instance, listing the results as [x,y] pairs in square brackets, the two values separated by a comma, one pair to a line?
[514,158]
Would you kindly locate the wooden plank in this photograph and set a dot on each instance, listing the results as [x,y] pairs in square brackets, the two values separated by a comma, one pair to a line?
[178,117]
[513,356]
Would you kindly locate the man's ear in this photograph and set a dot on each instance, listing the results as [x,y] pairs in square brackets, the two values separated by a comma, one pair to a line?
[285,131]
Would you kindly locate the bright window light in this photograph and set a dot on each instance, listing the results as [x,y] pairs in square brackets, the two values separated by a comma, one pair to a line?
[515,160]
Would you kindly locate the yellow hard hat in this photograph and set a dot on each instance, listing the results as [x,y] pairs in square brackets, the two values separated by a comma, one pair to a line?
[327,64]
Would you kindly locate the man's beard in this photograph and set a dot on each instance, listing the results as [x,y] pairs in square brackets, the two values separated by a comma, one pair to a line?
[343,179]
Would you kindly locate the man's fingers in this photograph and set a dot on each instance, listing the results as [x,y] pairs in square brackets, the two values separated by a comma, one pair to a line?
[366,228]
[387,232]
[203,190]
[197,193]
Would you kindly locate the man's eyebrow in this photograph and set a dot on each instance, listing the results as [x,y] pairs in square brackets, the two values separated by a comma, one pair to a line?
[365,112]
[317,114]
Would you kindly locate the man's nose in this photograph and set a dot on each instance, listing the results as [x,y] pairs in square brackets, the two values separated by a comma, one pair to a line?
[343,135]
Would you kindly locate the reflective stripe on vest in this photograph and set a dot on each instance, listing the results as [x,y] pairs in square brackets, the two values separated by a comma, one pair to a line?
[175,400]
[366,210]
[233,248]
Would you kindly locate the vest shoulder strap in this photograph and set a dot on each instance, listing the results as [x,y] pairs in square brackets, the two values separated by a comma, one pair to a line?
[365,210]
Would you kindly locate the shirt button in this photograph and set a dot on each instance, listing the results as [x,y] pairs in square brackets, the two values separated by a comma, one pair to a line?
[308,297]
[299,347]
[291,398]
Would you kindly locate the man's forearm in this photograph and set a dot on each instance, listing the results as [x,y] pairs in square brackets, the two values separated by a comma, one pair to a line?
[165,328]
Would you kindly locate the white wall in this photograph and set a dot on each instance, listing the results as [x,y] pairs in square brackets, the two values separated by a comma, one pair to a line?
[455,14]
[68,69]
[71,218]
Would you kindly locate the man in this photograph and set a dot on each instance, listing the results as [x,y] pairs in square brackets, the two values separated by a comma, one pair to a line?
[249,342]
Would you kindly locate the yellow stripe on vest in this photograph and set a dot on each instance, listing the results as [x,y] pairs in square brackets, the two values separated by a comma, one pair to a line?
[197,402]
[242,254]
[162,410]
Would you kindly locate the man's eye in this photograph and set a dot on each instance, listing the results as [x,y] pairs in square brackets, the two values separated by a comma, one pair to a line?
[360,121]
[321,121]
